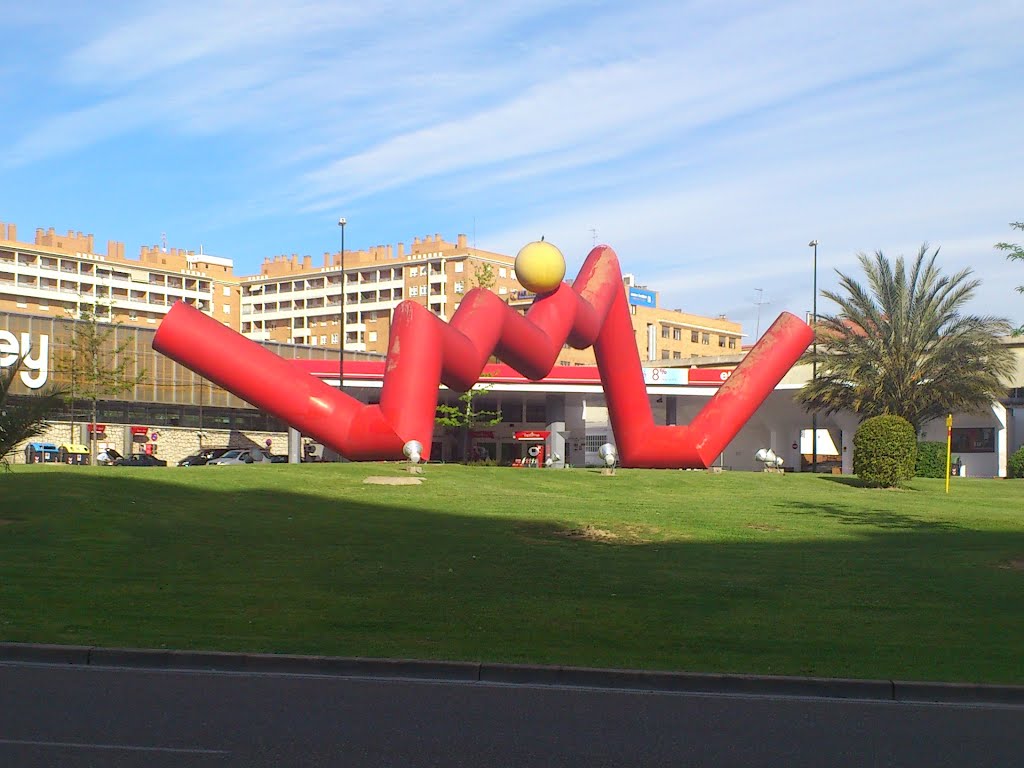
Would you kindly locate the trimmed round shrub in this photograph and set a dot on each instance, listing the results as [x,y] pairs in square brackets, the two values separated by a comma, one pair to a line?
[885,451]
[1015,465]
[931,459]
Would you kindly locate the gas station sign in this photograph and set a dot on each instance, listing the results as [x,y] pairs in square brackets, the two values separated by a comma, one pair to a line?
[531,434]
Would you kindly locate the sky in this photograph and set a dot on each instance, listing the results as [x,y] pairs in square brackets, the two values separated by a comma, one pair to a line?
[706,142]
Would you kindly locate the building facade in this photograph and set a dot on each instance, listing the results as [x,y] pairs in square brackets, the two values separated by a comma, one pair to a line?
[291,301]
[295,309]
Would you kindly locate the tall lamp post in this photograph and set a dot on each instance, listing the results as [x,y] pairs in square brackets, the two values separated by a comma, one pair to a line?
[814,358]
[341,317]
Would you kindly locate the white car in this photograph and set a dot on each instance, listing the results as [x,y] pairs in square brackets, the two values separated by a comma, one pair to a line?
[242,456]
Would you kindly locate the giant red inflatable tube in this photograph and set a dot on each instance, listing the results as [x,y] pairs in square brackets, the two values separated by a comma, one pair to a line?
[424,352]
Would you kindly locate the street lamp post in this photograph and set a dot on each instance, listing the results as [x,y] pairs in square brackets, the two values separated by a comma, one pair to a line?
[814,358]
[341,315]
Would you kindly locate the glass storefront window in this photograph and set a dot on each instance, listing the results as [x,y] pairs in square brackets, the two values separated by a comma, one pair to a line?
[974,440]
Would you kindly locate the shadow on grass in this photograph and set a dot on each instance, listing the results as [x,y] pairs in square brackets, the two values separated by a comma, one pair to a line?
[136,561]
[871,518]
[855,482]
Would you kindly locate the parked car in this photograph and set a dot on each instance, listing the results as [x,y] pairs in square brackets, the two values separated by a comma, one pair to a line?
[204,456]
[241,456]
[140,460]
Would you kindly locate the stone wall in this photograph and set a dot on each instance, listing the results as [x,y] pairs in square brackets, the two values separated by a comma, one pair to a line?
[172,443]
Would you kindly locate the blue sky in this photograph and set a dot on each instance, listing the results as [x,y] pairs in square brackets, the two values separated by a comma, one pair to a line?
[706,142]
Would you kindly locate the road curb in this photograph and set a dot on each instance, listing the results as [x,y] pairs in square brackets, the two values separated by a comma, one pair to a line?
[688,682]
[516,674]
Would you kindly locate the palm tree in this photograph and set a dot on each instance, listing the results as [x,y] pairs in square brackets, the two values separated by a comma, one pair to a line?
[903,346]
[1014,252]
[24,420]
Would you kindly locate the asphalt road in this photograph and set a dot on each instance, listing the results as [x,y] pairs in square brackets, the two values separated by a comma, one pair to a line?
[71,716]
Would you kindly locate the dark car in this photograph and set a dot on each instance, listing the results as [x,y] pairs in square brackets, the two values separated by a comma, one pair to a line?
[140,460]
[204,456]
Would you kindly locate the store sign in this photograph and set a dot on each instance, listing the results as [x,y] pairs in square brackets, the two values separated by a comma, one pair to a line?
[641,297]
[665,376]
[531,434]
[36,369]
[709,375]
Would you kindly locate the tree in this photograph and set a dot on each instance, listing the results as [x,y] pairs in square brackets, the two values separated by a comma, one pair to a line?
[94,364]
[465,416]
[25,420]
[903,346]
[1014,252]
[483,275]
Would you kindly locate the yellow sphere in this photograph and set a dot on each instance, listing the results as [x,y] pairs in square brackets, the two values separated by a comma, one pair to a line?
[540,267]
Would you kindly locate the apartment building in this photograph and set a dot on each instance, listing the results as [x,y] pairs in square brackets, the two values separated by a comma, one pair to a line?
[661,334]
[291,301]
[58,274]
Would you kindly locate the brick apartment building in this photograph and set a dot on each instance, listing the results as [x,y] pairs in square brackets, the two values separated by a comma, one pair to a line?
[291,301]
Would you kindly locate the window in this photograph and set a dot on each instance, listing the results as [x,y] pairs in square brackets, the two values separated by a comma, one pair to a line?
[459,266]
[226,309]
[373,335]
[227,290]
[677,355]
[973,440]
[312,340]
[459,286]
[665,331]
[323,341]
[705,338]
[535,412]
[334,338]
[502,290]
[594,442]
[664,354]
[414,290]
[732,342]
[677,334]
[693,336]
[502,272]
[414,272]
[721,341]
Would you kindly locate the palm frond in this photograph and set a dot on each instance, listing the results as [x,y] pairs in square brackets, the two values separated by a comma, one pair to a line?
[902,343]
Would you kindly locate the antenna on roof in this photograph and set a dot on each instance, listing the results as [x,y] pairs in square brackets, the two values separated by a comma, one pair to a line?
[163,241]
[758,303]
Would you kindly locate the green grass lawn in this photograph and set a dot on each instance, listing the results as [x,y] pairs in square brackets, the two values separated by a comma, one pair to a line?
[737,572]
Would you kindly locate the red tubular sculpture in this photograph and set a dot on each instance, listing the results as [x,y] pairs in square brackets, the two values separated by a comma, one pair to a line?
[425,351]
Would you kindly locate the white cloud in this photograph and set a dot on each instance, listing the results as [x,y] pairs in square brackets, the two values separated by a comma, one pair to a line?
[708,142]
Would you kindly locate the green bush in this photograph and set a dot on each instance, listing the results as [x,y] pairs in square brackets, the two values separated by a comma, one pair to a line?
[1015,466]
[884,451]
[931,459]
